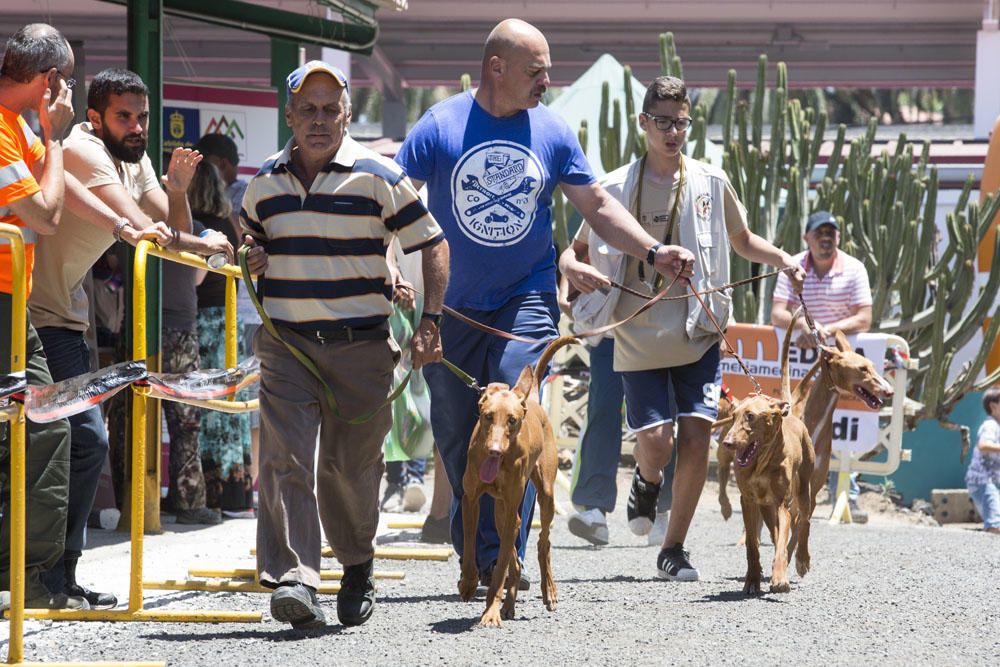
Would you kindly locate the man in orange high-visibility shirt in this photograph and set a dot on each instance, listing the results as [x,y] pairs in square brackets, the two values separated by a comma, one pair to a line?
[35,75]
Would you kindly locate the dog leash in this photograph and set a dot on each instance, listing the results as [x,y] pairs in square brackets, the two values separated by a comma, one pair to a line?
[713,290]
[810,322]
[732,350]
[304,359]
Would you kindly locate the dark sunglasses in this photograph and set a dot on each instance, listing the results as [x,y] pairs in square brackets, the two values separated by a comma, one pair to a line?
[70,81]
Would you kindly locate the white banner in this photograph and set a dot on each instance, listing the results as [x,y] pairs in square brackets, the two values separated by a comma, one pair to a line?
[855,425]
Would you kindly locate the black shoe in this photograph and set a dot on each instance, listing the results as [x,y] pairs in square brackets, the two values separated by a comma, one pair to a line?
[641,507]
[199,516]
[486,576]
[296,604]
[356,599]
[392,499]
[94,599]
[75,590]
[436,531]
[858,515]
[673,564]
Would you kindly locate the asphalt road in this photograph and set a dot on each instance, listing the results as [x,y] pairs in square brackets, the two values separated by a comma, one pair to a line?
[885,593]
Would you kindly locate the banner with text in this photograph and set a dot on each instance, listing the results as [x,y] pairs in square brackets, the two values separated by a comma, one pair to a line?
[855,425]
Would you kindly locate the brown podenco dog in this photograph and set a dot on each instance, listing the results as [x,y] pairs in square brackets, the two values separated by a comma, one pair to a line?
[841,370]
[511,443]
[774,460]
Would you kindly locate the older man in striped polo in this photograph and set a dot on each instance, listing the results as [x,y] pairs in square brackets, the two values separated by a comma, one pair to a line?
[838,296]
[319,217]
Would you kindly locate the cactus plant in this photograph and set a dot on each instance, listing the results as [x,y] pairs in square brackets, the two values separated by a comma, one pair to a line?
[887,203]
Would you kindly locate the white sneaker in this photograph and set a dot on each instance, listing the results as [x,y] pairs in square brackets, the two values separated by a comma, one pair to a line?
[659,530]
[413,497]
[590,525]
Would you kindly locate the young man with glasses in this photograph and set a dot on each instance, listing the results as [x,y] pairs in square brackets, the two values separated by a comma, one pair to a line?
[669,356]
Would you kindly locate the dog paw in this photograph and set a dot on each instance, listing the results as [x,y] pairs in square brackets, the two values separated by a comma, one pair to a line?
[467,588]
[490,618]
[507,611]
[751,587]
[780,587]
[802,566]
[549,597]
[726,508]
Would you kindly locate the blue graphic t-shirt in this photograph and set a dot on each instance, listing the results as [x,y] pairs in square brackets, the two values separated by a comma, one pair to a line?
[489,183]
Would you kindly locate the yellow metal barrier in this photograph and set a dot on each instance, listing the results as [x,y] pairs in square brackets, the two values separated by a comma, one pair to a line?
[140,409]
[324,575]
[18,319]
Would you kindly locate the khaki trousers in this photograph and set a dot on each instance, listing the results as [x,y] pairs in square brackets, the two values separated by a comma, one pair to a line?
[349,463]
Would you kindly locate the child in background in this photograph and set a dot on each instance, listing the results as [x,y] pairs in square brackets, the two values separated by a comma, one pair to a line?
[983,475]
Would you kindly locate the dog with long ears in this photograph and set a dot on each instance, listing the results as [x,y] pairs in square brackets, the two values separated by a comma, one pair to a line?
[511,443]
[839,370]
[774,459]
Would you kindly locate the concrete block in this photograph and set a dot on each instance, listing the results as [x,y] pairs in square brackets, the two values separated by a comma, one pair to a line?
[953,506]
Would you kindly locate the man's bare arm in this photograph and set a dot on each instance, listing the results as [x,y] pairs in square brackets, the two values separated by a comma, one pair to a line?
[42,210]
[613,223]
[426,342]
[859,322]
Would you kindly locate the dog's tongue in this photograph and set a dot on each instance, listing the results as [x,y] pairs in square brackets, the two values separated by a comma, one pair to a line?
[489,469]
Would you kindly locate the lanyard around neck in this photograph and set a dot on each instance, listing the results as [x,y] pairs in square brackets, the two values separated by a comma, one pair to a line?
[671,221]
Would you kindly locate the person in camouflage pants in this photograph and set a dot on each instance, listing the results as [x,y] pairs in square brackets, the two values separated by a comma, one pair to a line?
[187,482]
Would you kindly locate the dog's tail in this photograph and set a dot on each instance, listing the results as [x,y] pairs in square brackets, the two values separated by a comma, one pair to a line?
[786,383]
[543,361]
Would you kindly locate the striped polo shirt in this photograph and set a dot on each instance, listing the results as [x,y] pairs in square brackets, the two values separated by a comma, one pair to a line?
[833,297]
[326,246]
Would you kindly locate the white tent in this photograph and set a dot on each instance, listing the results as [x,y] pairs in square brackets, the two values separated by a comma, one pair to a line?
[582,101]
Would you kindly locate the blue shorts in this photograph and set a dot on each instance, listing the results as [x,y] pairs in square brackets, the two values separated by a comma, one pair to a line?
[660,395]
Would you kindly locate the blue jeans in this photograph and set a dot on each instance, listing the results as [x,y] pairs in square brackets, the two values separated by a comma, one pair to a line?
[853,490]
[600,448]
[404,472]
[986,498]
[68,357]
[454,410]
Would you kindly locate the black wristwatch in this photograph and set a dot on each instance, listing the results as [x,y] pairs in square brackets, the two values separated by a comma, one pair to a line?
[433,317]
[651,253]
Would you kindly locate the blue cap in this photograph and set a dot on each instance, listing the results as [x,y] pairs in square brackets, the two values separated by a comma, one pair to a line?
[298,77]
[820,218]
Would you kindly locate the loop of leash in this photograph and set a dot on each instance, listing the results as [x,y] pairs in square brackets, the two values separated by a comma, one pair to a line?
[732,350]
[303,358]
[810,323]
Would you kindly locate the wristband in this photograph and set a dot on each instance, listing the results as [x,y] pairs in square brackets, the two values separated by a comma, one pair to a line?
[435,318]
[651,253]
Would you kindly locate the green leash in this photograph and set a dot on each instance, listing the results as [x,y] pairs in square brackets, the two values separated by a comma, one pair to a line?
[304,359]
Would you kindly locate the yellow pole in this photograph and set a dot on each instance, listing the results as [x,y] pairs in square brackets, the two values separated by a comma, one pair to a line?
[138,428]
[248,573]
[19,325]
[231,351]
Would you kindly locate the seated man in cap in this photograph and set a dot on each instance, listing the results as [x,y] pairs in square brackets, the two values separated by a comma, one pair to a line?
[319,217]
[838,296]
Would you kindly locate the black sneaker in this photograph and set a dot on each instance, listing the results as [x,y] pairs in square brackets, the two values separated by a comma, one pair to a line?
[296,604]
[641,507]
[95,599]
[356,599]
[673,564]
[486,576]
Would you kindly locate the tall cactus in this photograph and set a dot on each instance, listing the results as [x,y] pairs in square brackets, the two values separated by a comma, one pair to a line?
[887,204]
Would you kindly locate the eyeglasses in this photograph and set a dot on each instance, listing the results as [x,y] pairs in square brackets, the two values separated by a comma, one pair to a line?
[665,123]
[70,81]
